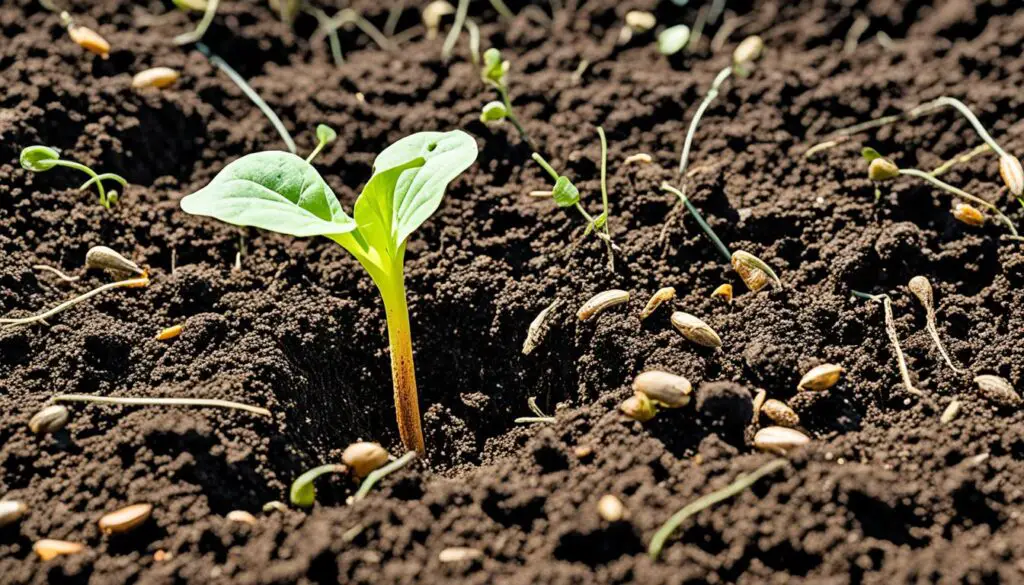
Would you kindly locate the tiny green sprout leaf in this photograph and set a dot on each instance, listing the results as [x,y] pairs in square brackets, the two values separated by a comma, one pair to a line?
[673,39]
[325,134]
[600,220]
[38,158]
[565,193]
[493,112]
[494,68]
[870,154]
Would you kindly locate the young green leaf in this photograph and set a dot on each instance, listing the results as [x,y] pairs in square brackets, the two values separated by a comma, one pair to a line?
[673,39]
[870,154]
[325,134]
[38,158]
[565,193]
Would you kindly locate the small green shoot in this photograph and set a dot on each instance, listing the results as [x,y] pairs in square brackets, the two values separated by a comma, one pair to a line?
[453,34]
[495,73]
[324,135]
[380,473]
[324,23]
[196,35]
[281,192]
[40,159]
[719,245]
[303,492]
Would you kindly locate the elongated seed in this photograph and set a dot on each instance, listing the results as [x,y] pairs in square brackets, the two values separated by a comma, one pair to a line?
[640,21]
[89,40]
[997,390]
[696,330]
[125,519]
[779,440]
[663,294]
[611,508]
[456,554]
[748,51]
[664,389]
[241,516]
[1013,174]
[968,214]
[724,291]
[103,258]
[49,420]
[169,333]
[49,549]
[538,329]
[600,302]
[951,412]
[821,377]
[638,407]
[638,158]
[158,77]
[274,506]
[11,511]
[364,457]
[754,271]
[759,399]
[780,413]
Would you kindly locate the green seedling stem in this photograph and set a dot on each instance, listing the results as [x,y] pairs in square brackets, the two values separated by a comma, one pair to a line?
[324,23]
[303,492]
[379,474]
[40,159]
[722,248]
[201,28]
[456,30]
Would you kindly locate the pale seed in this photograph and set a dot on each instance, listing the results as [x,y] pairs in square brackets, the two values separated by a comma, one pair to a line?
[639,158]
[997,390]
[456,554]
[748,51]
[104,258]
[695,330]
[821,377]
[11,511]
[780,413]
[755,272]
[162,556]
[49,420]
[759,399]
[779,440]
[724,291]
[274,506]
[610,508]
[125,519]
[169,333]
[159,77]
[242,517]
[583,451]
[364,457]
[600,302]
[48,549]
[922,289]
[663,294]
[638,407]
[664,389]
[89,40]
[1013,174]
[969,214]
[882,169]
[538,328]
[640,21]
[432,15]
[951,412]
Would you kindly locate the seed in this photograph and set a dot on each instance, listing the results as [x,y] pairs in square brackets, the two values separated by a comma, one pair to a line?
[664,389]
[951,412]
[11,511]
[969,214]
[364,457]
[274,506]
[89,40]
[821,377]
[779,440]
[695,330]
[432,15]
[125,519]
[583,451]
[169,333]
[638,407]
[48,548]
[758,403]
[1013,174]
[997,390]
[241,516]
[158,77]
[162,555]
[456,554]
[602,301]
[104,258]
[754,271]
[49,420]
[922,289]
[724,291]
[663,294]
[610,508]
[882,169]
[638,158]
[538,328]
[640,21]
[748,51]
[780,413]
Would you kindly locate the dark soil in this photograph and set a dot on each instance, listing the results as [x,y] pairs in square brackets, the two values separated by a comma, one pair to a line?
[883,494]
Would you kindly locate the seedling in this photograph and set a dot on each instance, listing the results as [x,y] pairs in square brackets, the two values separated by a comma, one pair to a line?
[42,317]
[40,159]
[890,330]
[85,37]
[346,18]
[539,416]
[209,12]
[324,23]
[303,493]
[453,34]
[922,289]
[281,192]
[495,73]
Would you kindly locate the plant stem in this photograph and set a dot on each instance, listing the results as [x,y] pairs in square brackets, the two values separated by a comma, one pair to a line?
[56,272]
[962,194]
[708,98]
[303,492]
[80,167]
[204,24]
[933,330]
[502,9]
[509,114]
[453,34]
[133,282]
[742,482]
[700,221]
[890,330]
[474,41]
[604,199]
[544,164]
[203,402]
[534,419]
[379,474]
[324,23]
[394,15]
[347,16]
[403,372]
[104,177]
[960,158]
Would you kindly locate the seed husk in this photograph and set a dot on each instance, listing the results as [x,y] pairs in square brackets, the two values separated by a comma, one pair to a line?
[663,294]
[755,272]
[640,21]
[48,548]
[997,390]
[158,77]
[821,377]
[922,289]
[538,328]
[882,169]
[696,330]
[364,457]
[11,511]
[951,412]
[169,333]
[49,420]
[780,413]
[968,214]
[638,407]
[1013,174]
[638,158]
[600,302]
[724,291]
[748,51]
[456,554]
[103,258]
[779,440]
[758,402]
[89,40]
[242,517]
[126,519]
[610,508]
[664,389]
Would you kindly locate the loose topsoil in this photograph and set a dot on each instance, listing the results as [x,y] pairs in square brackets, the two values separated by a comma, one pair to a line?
[884,493]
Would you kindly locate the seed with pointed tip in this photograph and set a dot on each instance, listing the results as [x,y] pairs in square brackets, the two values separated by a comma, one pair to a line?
[364,457]
[89,40]
[457,554]
[1013,174]
[696,330]
[169,333]
[951,412]
[663,294]
[664,389]
[638,158]
[125,519]
[759,399]
[969,214]
[49,549]
[755,272]
[922,289]
[242,517]
[159,77]
[611,508]
[997,390]
[600,302]
[103,258]
[638,407]
[49,420]
[779,440]
[882,169]
[780,413]
[11,511]
[748,51]
[724,291]
[821,377]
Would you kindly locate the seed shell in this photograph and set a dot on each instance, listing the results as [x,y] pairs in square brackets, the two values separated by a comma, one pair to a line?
[724,291]
[158,77]
[1013,174]
[104,258]
[759,399]
[611,508]
[600,302]
[125,519]
[456,554]
[821,377]
[169,333]
[638,158]
[997,390]
[922,289]
[242,517]
[664,389]
[779,440]
[663,294]
[755,272]
[882,169]
[11,511]
[696,330]
[951,412]
[49,420]
[538,328]
[748,51]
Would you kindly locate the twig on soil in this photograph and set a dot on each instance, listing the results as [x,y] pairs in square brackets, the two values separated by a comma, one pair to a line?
[303,492]
[453,34]
[251,94]
[379,474]
[59,274]
[130,283]
[540,418]
[201,28]
[129,401]
[742,482]
[890,330]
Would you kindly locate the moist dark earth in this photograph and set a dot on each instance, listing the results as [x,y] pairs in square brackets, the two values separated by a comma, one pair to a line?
[884,493]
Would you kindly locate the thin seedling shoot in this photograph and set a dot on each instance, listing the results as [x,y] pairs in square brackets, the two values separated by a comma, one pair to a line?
[40,159]
[281,192]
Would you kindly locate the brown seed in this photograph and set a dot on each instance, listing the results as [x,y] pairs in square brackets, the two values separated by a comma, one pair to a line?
[882,169]
[780,413]
[611,508]
[48,549]
[242,517]
[821,377]
[663,294]
[159,77]
[755,272]
[456,554]
[695,330]
[997,390]
[1013,174]
[49,420]
[748,51]
[638,407]
[969,214]
[11,511]
[951,412]
[922,289]
[125,519]
[169,333]
[664,389]
[600,302]
[162,555]
[364,457]
[118,266]
[779,440]
[89,40]
[583,451]
[724,291]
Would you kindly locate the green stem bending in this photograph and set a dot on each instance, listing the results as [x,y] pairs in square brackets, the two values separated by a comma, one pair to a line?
[962,194]
[324,23]
[722,248]
[453,34]
[510,115]
[104,201]
[403,371]
[128,401]
[502,9]
[961,158]
[204,24]
[379,474]
[303,492]
[711,95]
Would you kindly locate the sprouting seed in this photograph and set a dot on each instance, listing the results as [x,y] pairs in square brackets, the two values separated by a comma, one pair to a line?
[894,339]
[364,457]
[780,413]
[997,390]
[538,329]
[106,259]
[1013,174]
[458,554]
[493,111]
[600,302]
[11,511]
[638,407]
[882,169]
[922,289]
[432,15]
[638,158]
[89,40]
[758,402]
[49,420]
[274,506]
[126,519]
[779,440]
[820,377]
[48,549]
[611,508]
[696,330]
[158,77]
[664,389]
[754,271]
[39,159]
[663,294]
[968,214]
[748,51]
[169,333]
[724,291]
[242,517]
[951,412]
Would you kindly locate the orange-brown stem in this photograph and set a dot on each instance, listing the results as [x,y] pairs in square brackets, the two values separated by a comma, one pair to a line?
[403,372]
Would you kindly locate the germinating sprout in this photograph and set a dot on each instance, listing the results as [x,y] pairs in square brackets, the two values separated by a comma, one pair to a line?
[346,18]
[453,34]
[85,37]
[209,12]
[42,317]
[495,73]
[132,401]
[539,416]
[40,159]
[890,330]
[922,289]
[303,492]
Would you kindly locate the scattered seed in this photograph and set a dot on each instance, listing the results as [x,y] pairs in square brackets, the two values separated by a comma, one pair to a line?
[696,330]
[89,40]
[664,389]
[748,51]
[779,440]
[997,390]
[169,333]
[457,554]
[1013,174]
[11,511]
[104,258]
[126,519]
[274,506]
[724,291]
[161,556]
[242,517]
[538,329]
[48,549]
[583,451]
[951,412]
[780,413]
[754,271]
[969,214]
[364,457]
[602,301]
[639,158]
[638,407]
[663,294]
[758,402]
[821,377]
[610,508]
[49,420]
[158,77]
[882,169]
[640,21]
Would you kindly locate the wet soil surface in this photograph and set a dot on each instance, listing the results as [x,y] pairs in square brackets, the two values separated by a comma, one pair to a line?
[884,493]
